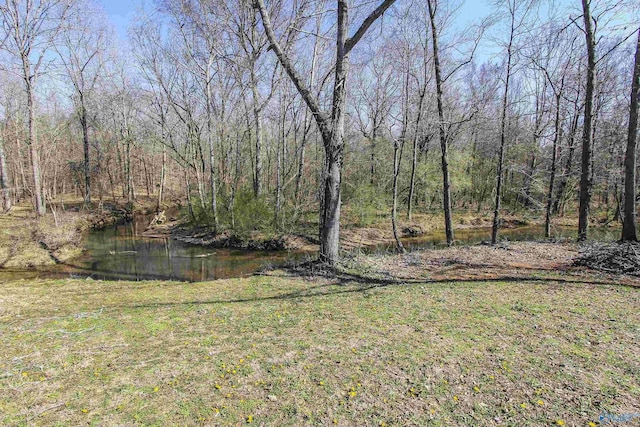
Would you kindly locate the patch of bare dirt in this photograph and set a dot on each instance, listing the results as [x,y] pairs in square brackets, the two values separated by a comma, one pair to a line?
[362,237]
[481,261]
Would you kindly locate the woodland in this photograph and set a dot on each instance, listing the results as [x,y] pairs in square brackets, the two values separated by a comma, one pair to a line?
[330,119]
[264,115]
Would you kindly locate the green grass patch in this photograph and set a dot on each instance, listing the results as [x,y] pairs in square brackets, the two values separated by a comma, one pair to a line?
[285,351]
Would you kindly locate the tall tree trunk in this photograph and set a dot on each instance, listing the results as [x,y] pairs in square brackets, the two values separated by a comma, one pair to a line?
[629,225]
[279,161]
[416,149]
[552,177]
[503,137]
[85,145]
[334,147]
[4,180]
[31,142]
[446,184]
[586,175]
[212,154]
[257,179]
[397,157]
[332,130]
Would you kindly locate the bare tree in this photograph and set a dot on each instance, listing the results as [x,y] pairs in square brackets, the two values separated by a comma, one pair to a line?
[331,127]
[554,59]
[374,104]
[32,27]
[444,146]
[629,224]
[83,51]
[517,14]
[399,141]
[253,44]
[423,83]
[586,175]
[4,178]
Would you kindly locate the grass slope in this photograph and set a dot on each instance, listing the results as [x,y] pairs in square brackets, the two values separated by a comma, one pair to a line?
[276,350]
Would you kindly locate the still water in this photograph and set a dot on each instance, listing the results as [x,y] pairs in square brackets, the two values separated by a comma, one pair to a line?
[527,233]
[121,253]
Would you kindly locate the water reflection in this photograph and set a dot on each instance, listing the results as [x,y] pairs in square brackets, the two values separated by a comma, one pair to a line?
[121,253]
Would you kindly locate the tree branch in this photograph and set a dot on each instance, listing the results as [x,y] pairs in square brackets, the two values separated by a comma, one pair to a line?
[352,41]
[285,61]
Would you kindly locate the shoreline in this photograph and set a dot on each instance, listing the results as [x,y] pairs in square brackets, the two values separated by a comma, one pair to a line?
[57,238]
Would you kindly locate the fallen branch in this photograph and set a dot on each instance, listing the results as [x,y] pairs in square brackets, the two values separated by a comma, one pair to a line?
[122,252]
[617,258]
[48,408]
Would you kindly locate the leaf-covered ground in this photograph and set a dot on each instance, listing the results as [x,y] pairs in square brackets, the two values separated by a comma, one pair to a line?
[544,349]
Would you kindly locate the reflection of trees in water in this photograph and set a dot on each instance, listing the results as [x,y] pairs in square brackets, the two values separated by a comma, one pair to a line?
[119,253]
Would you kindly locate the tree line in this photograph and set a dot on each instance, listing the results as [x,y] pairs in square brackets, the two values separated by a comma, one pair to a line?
[269,114]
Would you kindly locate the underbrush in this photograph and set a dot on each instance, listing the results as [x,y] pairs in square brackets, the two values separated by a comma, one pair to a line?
[618,258]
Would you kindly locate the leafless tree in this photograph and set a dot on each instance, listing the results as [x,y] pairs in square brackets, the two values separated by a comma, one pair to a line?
[331,127]
[32,28]
[629,224]
[517,14]
[84,50]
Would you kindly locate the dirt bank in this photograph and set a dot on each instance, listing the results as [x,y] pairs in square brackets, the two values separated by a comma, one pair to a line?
[352,237]
[255,241]
[27,241]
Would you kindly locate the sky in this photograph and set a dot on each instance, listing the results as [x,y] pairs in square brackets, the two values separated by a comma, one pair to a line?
[120,13]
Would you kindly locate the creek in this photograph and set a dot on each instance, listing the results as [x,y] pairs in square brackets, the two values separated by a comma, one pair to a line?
[121,253]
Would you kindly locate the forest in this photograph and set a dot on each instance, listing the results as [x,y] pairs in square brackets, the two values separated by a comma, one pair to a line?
[319,212]
[259,115]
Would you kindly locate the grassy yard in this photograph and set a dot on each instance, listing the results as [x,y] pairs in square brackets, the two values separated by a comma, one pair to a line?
[278,350]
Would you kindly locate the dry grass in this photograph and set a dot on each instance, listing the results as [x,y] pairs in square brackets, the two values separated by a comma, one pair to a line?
[274,350]
[27,241]
[509,259]
[18,247]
